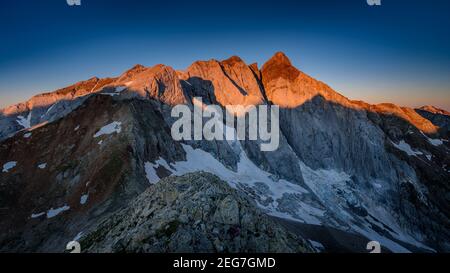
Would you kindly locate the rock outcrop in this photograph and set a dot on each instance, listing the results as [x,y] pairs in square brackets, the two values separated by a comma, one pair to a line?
[229,82]
[192,213]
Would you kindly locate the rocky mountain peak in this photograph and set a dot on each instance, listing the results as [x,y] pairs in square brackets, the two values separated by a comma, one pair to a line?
[288,87]
[233,60]
[281,58]
[434,110]
[159,82]
[228,82]
[279,66]
[127,75]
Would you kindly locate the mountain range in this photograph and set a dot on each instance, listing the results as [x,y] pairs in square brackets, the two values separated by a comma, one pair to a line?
[95,162]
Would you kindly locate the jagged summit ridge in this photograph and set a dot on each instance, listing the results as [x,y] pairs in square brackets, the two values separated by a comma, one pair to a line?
[434,110]
[280,57]
[228,82]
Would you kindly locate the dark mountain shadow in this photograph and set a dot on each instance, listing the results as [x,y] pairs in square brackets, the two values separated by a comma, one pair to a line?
[343,146]
[199,87]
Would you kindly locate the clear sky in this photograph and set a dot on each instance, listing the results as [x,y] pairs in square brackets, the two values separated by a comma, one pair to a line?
[397,52]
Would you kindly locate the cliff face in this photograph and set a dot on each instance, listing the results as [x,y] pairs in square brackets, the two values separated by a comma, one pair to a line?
[380,171]
[229,82]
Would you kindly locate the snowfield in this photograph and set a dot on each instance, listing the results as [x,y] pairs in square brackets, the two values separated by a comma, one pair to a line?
[248,174]
[325,184]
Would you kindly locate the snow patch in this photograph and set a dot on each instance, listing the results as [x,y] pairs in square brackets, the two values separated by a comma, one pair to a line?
[113,127]
[42,166]
[403,146]
[27,135]
[49,109]
[83,199]
[37,215]
[50,213]
[120,88]
[247,174]
[435,142]
[318,246]
[54,212]
[335,190]
[78,236]
[76,128]
[9,165]
[117,90]
[24,122]
[150,173]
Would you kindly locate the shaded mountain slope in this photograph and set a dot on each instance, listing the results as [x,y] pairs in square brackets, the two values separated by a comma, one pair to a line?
[74,170]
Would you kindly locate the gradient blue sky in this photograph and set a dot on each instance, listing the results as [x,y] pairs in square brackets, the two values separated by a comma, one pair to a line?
[398,52]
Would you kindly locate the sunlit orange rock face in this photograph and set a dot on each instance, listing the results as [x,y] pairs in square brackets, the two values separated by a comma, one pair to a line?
[159,82]
[228,82]
[67,93]
[232,82]
[288,87]
[407,114]
[434,110]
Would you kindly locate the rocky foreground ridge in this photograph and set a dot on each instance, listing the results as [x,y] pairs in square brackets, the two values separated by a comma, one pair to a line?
[192,213]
